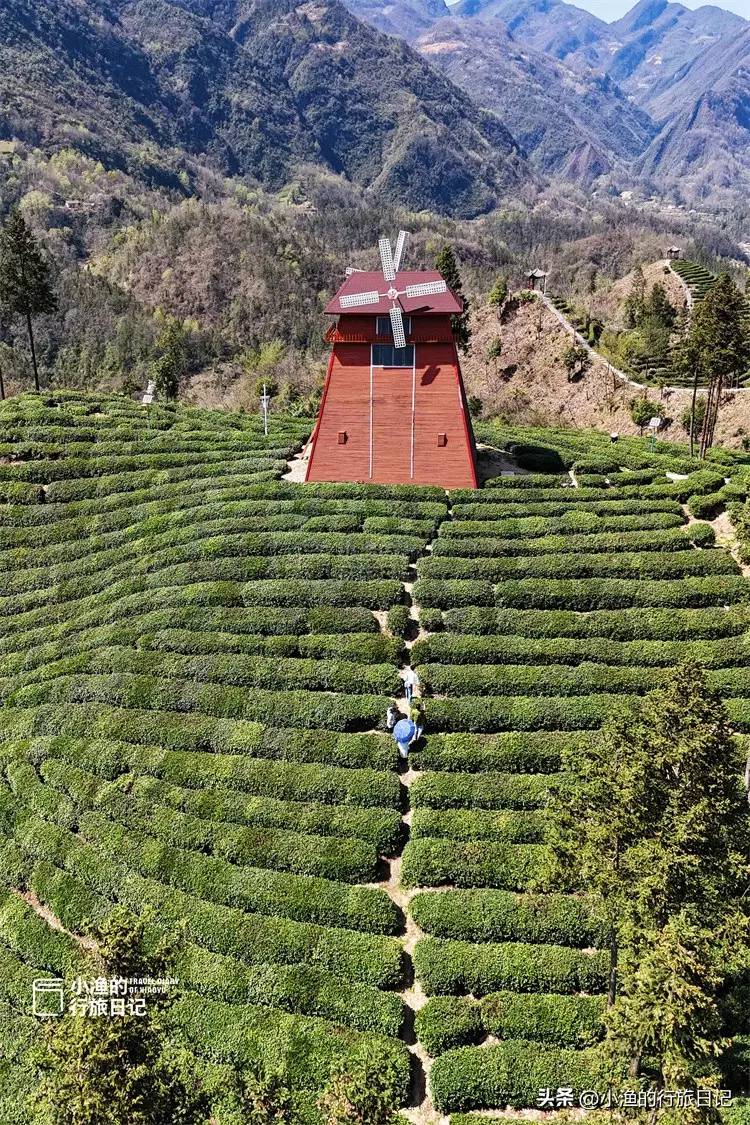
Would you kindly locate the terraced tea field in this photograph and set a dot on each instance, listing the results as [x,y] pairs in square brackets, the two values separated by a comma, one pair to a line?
[197,658]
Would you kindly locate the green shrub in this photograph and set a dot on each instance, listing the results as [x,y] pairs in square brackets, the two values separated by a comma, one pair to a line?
[510,1073]
[461,967]
[499,916]
[475,863]
[478,824]
[482,790]
[515,751]
[398,620]
[628,624]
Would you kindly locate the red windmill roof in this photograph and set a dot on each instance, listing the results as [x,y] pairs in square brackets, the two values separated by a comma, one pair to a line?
[373,279]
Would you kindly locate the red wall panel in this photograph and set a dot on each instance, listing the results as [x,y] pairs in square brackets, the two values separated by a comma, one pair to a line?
[392,434]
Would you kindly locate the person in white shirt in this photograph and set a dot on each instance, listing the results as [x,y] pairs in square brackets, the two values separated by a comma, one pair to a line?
[411,682]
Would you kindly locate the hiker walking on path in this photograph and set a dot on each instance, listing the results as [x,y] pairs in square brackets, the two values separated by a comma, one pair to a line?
[411,682]
[416,714]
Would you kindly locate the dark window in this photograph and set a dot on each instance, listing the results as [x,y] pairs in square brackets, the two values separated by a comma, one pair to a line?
[385,355]
[442,439]
[384,326]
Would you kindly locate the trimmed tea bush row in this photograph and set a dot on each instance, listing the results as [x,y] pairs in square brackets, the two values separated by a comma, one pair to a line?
[627,624]
[448,1022]
[380,827]
[571,522]
[557,510]
[677,539]
[39,585]
[584,594]
[460,967]
[478,824]
[197,770]
[110,728]
[482,790]
[500,916]
[511,1073]
[475,863]
[622,565]
[297,708]
[514,751]
[341,859]
[509,649]
[231,670]
[560,680]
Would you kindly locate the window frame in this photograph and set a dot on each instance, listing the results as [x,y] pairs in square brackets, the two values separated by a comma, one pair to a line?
[393,350]
[386,320]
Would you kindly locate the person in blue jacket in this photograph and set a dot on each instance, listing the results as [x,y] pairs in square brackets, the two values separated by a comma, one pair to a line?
[403,733]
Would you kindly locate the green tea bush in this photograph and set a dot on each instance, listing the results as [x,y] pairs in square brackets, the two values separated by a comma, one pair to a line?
[486,790]
[500,916]
[628,624]
[461,967]
[475,863]
[511,1073]
[478,824]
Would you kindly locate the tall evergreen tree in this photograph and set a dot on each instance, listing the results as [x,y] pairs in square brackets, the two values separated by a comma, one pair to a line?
[655,829]
[446,264]
[715,350]
[636,298]
[25,285]
[118,1069]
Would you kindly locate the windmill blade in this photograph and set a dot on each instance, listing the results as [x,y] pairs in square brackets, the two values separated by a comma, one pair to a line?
[353,300]
[401,241]
[397,324]
[386,257]
[425,288]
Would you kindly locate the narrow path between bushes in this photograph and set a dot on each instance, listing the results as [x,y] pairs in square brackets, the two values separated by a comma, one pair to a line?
[420,1109]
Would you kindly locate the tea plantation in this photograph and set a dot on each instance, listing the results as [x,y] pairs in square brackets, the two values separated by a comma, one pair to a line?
[197,658]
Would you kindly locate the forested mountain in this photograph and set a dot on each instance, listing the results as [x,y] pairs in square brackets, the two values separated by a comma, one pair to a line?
[660,96]
[705,140]
[578,125]
[259,89]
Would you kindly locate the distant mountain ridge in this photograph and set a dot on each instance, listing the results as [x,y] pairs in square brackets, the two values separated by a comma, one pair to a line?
[257,87]
[660,96]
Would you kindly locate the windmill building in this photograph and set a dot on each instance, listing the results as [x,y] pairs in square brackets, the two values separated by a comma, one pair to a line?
[394,408]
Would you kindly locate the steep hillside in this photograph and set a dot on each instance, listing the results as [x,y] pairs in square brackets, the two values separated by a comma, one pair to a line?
[552,26]
[256,91]
[405,18]
[704,144]
[528,385]
[660,40]
[580,125]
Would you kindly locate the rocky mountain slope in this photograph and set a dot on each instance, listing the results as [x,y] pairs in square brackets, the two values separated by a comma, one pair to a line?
[259,88]
[660,96]
[577,125]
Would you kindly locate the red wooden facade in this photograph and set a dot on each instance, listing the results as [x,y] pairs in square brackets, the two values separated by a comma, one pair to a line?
[394,424]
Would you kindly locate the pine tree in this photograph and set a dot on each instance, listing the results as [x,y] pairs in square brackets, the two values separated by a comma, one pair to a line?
[655,829]
[118,1069]
[446,264]
[635,301]
[716,349]
[25,286]
[168,369]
